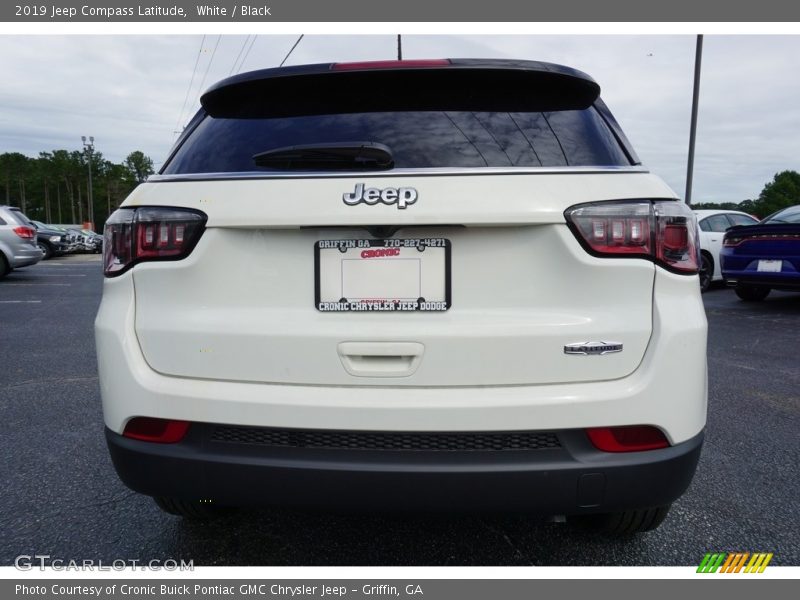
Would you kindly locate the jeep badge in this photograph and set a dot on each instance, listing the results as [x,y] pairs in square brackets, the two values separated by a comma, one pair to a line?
[403,196]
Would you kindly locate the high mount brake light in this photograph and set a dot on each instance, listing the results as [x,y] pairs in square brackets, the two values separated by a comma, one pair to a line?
[390,64]
[26,233]
[664,231]
[134,235]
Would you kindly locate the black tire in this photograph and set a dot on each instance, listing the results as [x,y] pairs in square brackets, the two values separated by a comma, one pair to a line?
[626,522]
[706,271]
[5,269]
[188,509]
[47,250]
[751,293]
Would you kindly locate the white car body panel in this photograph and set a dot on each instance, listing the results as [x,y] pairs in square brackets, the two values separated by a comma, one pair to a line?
[230,334]
[651,395]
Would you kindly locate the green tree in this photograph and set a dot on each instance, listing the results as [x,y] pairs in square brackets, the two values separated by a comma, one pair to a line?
[66,166]
[749,206]
[782,191]
[117,183]
[14,170]
[140,165]
[53,186]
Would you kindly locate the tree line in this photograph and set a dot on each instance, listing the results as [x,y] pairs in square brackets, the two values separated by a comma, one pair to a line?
[781,192]
[53,187]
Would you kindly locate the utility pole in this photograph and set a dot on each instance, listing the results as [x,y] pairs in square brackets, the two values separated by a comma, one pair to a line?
[698,57]
[88,148]
[399,47]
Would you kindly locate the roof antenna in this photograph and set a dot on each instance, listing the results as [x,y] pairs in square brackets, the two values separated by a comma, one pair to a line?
[399,47]
[291,50]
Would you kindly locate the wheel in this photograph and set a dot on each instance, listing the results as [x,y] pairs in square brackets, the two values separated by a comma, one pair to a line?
[626,522]
[188,509]
[5,269]
[751,293]
[706,271]
[46,249]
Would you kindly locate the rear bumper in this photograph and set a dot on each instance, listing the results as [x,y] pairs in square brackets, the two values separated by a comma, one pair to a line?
[25,257]
[742,269]
[783,281]
[572,479]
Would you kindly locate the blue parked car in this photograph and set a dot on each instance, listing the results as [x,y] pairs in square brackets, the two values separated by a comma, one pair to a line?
[763,257]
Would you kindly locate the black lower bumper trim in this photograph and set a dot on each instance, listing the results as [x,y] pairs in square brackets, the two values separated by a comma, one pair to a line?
[775,283]
[571,479]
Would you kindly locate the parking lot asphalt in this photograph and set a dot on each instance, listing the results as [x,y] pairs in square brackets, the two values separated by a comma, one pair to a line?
[61,496]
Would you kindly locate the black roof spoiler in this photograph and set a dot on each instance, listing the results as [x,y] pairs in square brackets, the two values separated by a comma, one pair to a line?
[444,84]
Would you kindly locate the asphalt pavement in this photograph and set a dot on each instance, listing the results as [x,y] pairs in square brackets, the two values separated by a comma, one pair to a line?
[61,496]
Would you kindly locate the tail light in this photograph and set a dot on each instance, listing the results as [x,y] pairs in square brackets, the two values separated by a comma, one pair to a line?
[636,438]
[662,231]
[26,233]
[162,431]
[134,235]
[733,239]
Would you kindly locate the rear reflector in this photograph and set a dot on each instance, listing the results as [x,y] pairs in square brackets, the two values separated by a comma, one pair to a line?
[161,431]
[635,438]
[664,231]
[390,64]
[134,235]
[26,233]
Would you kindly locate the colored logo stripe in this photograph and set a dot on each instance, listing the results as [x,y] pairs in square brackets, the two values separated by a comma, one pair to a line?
[711,562]
[733,562]
[758,563]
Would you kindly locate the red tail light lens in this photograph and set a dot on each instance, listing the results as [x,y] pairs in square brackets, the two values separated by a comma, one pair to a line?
[390,64]
[662,231]
[26,233]
[161,431]
[134,235]
[636,438]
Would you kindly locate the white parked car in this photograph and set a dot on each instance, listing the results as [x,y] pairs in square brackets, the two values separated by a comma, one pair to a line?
[415,285]
[713,224]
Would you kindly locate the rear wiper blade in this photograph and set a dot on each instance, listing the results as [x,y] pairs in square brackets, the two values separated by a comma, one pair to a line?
[347,156]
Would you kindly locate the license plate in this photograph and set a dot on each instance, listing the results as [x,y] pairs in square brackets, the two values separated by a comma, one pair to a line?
[770,266]
[388,275]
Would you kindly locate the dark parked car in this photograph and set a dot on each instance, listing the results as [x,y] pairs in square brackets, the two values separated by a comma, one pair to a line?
[93,242]
[51,241]
[759,258]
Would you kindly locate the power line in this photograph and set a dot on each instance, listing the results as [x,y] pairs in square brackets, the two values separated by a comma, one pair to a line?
[246,54]
[191,81]
[291,50]
[208,66]
[235,60]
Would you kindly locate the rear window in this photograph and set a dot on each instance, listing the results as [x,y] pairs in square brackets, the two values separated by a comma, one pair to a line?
[716,223]
[20,218]
[788,215]
[417,139]
[742,219]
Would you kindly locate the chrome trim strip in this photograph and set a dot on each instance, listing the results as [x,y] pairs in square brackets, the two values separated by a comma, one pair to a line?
[433,172]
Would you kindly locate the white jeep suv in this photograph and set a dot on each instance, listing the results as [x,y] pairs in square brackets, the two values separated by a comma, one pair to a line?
[443,284]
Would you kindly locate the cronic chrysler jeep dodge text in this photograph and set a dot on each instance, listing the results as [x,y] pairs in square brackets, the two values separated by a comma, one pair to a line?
[422,284]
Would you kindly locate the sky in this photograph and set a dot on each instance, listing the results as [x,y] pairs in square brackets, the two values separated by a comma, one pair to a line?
[134,92]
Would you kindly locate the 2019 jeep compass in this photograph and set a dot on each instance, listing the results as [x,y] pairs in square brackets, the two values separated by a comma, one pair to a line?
[407,284]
